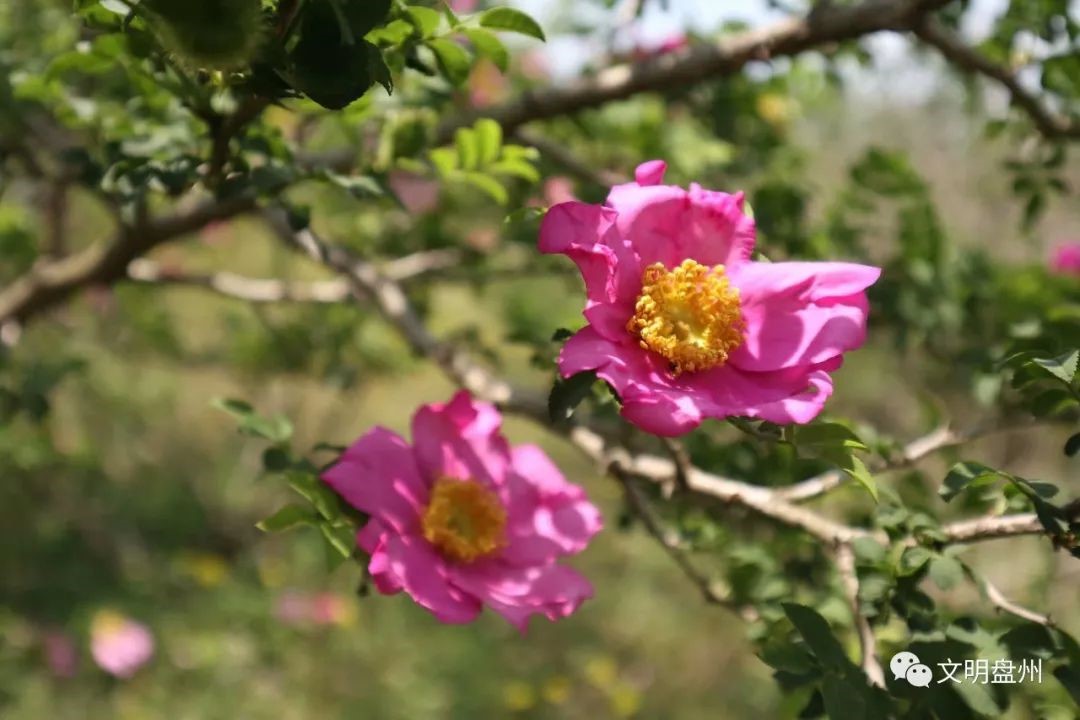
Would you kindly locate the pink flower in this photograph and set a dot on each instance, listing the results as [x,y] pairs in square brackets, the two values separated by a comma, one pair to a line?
[1065,259]
[460,520]
[119,645]
[684,325]
[418,194]
[463,6]
[60,654]
[670,44]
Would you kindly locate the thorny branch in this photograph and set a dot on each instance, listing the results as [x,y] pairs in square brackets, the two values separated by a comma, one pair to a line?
[1052,125]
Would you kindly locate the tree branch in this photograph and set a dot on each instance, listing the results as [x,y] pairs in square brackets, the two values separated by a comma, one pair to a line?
[50,282]
[1049,123]
[995,596]
[826,25]
[849,578]
[667,540]
[936,440]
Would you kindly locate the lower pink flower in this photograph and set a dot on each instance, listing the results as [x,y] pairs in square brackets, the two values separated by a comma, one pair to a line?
[119,645]
[460,520]
[684,325]
[1065,259]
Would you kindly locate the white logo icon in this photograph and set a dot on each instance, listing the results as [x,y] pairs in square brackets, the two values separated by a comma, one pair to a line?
[907,666]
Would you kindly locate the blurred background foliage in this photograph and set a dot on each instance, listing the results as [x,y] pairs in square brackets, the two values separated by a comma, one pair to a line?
[122,489]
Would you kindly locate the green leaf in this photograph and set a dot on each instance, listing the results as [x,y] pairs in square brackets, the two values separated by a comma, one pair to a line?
[1051,402]
[966,475]
[341,538]
[331,72]
[488,45]
[1069,677]
[1062,367]
[488,184]
[843,699]
[468,148]
[945,572]
[311,488]
[828,434]
[505,18]
[424,19]
[453,59]
[287,518]
[815,631]
[516,168]
[567,394]
[913,560]
[489,137]
[276,459]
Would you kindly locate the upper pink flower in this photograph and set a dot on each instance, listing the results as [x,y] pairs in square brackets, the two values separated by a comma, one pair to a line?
[119,645]
[459,519]
[684,325]
[1065,259]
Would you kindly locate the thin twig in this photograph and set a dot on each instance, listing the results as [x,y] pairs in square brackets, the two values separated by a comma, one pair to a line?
[849,578]
[995,596]
[1049,123]
[668,540]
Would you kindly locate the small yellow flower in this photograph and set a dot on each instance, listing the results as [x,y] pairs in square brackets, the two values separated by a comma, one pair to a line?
[601,672]
[519,696]
[625,701]
[775,109]
[556,690]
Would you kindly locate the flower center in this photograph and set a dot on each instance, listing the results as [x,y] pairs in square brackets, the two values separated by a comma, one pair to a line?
[464,520]
[689,315]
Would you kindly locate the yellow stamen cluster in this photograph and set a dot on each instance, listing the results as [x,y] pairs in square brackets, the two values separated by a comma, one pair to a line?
[689,315]
[464,520]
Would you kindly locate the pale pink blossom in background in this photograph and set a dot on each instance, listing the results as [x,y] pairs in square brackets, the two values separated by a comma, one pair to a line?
[558,189]
[461,520]
[668,45]
[324,608]
[61,655]
[534,65]
[463,6]
[215,232]
[684,325]
[1065,258]
[120,645]
[487,85]
[418,195]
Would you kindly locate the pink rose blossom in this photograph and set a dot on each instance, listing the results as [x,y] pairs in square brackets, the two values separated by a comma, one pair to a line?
[61,655]
[1065,259]
[460,520]
[684,325]
[119,645]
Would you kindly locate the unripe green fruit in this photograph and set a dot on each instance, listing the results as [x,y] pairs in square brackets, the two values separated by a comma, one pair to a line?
[213,34]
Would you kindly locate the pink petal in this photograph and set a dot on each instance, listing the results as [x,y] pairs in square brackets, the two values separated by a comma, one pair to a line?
[548,516]
[800,408]
[662,404]
[412,564]
[378,475]
[519,593]
[586,234]
[800,313]
[666,224]
[650,173]
[461,439]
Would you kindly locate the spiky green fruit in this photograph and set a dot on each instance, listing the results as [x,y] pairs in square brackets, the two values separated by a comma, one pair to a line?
[212,34]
